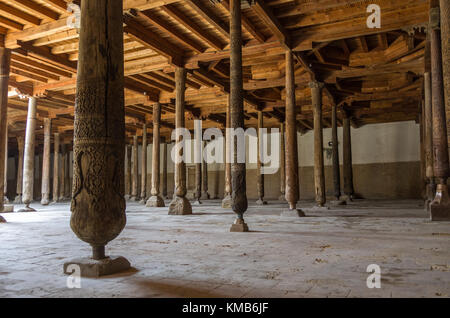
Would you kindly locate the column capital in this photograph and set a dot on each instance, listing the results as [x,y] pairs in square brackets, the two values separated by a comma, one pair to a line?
[316,84]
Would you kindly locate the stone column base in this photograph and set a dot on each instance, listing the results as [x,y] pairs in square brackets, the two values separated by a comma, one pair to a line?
[261,202]
[440,207]
[143,201]
[348,198]
[45,200]
[239,225]
[205,196]
[338,202]
[155,202]
[2,220]
[180,206]
[289,213]
[27,209]
[96,268]
[18,199]
[197,202]
[226,202]
[8,208]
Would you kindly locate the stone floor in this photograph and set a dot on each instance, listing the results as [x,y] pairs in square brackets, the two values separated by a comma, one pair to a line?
[323,255]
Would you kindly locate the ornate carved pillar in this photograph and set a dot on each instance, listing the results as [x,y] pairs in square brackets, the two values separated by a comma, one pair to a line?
[335,159]
[282,197]
[292,182]
[135,171]
[440,206]
[238,181]
[98,204]
[319,174]
[164,171]
[5,59]
[226,202]
[347,156]
[144,165]
[45,187]
[204,179]
[128,173]
[445,37]
[428,123]
[20,146]
[56,174]
[156,200]
[180,205]
[260,175]
[28,164]
[66,180]
[5,177]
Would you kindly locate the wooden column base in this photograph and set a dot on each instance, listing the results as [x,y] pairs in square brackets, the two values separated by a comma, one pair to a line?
[155,202]
[180,206]
[261,201]
[440,207]
[239,225]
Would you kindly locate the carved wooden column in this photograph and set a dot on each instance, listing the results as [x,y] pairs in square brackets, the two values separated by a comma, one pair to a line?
[5,59]
[156,200]
[19,189]
[226,202]
[319,174]
[45,187]
[98,204]
[62,170]
[238,181]
[164,171]
[445,37]
[198,159]
[5,177]
[282,197]
[28,164]
[180,205]
[440,206]
[335,159]
[66,179]
[259,174]
[144,165]
[428,123]
[204,179]
[135,171]
[56,159]
[128,173]
[292,182]
[347,156]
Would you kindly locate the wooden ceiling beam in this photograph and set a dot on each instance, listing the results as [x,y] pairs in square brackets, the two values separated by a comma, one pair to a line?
[38,9]
[14,13]
[210,17]
[266,14]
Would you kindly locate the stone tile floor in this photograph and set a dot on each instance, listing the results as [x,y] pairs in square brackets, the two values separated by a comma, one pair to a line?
[323,255]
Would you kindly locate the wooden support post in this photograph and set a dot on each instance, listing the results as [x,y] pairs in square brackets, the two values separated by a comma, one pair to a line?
[204,180]
[335,159]
[128,173]
[144,165]
[282,165]
[428,144]
[226,202]
[239,192]
[135,171]
[62,185]
[56,160]
[66,180]
[440,207]
[198,159]
[19,189]
[28,163]
[445,38]
[164,171]
[5,177]
[98,204]
[292,182]
[5,59]
[45,187]
[260,151]
[319,174]
[347,156]
[156,200]
[180,205]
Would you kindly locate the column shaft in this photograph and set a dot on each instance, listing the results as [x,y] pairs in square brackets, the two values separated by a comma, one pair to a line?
[62,185]
[164,171]
[259,165]
[56,159]
[144,165]
[21,148]
[282,164]
[335,156]
[135,171]
[226,202]
[5,59]
[28,164]
[156,200]
[128,173]
[204,179]
[347,156]
[45,188]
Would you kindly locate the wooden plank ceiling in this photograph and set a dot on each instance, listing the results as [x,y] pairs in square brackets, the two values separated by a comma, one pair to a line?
[375,74]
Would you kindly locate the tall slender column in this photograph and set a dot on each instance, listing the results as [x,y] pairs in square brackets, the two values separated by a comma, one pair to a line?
[428,123]
[180,205]
[135,171]
[204,179]
[292,182]
[226,202]
[259,174]
[440,207]
[66,179]
[45,187]
[5,184]
[445,37]
[319,174]
[62,185]
[347,154]
[144,165]
[56,159]
[335,158]
[164,171]
[98,204]
[238,178]
[156,200]
[198,159]
[28,164]
[5,59]
[128,173]
[20,146]
[282,197]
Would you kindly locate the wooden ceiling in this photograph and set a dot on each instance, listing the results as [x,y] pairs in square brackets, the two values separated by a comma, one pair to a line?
[375,74]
